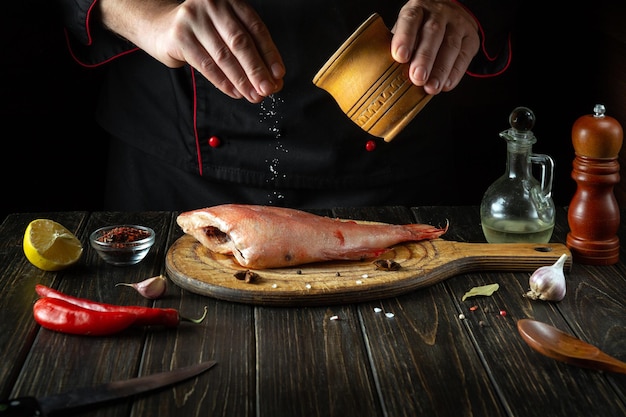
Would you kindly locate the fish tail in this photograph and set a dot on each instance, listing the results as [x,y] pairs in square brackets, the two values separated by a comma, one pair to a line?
[426,231]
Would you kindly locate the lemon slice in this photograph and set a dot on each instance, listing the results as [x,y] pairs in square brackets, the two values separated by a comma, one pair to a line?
[50,246]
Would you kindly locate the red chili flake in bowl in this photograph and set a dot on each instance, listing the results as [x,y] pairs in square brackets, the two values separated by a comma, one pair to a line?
[123,234]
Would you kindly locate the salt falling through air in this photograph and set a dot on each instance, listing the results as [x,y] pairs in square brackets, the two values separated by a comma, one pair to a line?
[270,115]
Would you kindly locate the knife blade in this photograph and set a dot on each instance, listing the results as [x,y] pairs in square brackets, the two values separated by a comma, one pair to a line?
[80,397]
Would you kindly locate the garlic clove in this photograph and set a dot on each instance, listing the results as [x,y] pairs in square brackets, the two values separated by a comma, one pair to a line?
[150,288]
[547,283]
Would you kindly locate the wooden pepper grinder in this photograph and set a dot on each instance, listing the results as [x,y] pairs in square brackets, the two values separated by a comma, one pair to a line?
[593,214]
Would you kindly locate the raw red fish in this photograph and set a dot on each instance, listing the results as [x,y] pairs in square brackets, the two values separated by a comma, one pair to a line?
[271,237]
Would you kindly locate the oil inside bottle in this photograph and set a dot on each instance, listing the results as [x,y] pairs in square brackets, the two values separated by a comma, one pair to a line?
[517,231]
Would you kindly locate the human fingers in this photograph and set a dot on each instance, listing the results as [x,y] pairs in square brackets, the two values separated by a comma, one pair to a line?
[274,69]
[212,39]
[405,30]
[444,38]
[461,59]
[459,45]
[189,36]
[248,41]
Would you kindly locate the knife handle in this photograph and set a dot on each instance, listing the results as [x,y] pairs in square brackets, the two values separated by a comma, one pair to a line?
[21,407]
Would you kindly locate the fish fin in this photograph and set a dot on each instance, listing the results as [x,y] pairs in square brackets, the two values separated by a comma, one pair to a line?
[425,231]
[355,254]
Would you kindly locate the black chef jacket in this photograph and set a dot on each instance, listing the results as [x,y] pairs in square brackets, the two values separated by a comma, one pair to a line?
[296,142]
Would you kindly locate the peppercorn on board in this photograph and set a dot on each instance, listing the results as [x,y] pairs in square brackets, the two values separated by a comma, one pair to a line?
[195,268]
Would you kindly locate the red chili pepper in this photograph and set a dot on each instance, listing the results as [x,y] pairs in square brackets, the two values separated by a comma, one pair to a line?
[100,312]
[61,316]
[168,317]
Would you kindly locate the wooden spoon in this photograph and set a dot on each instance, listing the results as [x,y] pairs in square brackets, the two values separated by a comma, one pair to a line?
[563,347]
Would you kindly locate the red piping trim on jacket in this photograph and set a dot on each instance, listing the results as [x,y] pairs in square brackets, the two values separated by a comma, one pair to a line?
[90,41]
[506,66]
[84,64]
[483,49]
[88,18]
[195,118]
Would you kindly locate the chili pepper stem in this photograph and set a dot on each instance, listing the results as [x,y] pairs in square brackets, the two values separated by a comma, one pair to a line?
[198,320]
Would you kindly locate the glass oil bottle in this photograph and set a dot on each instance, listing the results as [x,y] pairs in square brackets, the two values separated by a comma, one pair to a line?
[518,208]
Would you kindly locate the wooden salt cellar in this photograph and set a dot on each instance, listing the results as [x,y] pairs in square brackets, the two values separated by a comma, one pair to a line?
[593,214]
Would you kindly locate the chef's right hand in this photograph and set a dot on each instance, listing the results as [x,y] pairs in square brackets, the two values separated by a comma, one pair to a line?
[225,40]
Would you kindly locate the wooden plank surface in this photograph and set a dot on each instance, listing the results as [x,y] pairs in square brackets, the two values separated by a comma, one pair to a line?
[515,368]
[415,352]
[226,335]
[309,364]
[424,360]
[17,287]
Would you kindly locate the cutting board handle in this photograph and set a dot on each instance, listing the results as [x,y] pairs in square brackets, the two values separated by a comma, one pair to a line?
[501,256]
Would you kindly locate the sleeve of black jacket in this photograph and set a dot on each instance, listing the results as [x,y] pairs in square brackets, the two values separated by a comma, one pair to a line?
[84,31]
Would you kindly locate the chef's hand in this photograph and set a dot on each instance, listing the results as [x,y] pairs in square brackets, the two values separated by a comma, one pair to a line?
[439,38]
[225,40]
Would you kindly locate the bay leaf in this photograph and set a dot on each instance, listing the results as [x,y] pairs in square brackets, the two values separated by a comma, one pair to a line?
[486,290]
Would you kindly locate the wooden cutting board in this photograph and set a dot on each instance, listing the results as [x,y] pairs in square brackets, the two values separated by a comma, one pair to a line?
[195,268]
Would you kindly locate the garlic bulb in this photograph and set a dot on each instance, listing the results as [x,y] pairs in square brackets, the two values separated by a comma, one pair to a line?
[548,282]
[150,288]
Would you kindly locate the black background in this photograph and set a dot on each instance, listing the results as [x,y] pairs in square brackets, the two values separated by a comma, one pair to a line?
[54,154]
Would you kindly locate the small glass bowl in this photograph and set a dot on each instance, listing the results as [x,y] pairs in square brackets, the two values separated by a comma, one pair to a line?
[121,245]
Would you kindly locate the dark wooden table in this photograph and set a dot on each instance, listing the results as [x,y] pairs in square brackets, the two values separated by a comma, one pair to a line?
[295,361]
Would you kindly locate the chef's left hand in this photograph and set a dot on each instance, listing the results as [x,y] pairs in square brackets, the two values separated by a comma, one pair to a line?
[438,38]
